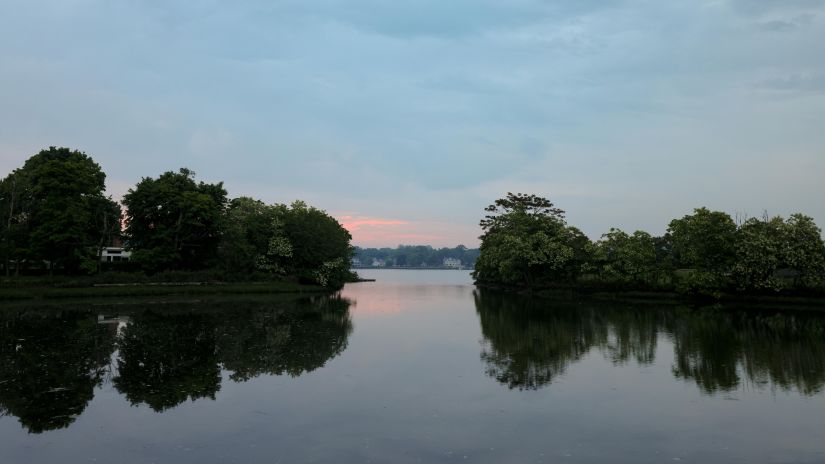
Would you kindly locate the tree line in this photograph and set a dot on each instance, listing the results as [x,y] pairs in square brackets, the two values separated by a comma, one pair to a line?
[416,256]
[527,244]
[57,217]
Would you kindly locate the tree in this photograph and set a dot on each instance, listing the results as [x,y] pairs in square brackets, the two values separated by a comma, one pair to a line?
[15,209]
[65,204]
[173,222]
[249,226]
[804,250]
[703,240]
[525,241]
[759,254]
[308,243]
[629,258]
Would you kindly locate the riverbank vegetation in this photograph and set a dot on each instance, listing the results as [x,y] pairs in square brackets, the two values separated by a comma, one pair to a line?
[527,245]
[58,221]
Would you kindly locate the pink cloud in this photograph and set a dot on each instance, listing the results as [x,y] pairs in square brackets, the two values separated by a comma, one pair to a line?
[356,223]
[380,232]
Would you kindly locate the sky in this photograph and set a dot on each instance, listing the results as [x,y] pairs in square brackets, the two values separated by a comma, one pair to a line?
[404,119]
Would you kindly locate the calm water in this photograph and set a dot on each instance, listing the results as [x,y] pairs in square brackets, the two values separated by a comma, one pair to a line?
[416,367]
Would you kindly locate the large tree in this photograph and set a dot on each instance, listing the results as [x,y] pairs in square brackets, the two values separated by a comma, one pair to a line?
[173,222]
[54,209]
[308,243]
[703,240]
[525,242]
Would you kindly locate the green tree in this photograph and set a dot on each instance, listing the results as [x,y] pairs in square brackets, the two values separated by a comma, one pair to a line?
[66,204]
[173,222]
[249,226]
[759,254]
[628,258]
[308,243]
[804,250]
[703,240]
[525,241]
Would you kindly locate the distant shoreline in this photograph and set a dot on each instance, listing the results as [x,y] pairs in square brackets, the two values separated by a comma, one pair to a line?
[413,268]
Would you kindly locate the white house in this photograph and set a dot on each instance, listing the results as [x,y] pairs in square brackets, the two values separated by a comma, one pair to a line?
[115,255]
[452,263]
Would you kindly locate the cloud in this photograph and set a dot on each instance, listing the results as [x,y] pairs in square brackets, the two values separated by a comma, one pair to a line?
[428,110]
[759,7]
[807,83]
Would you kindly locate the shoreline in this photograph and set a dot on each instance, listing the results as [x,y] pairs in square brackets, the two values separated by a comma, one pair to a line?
[41,293]
[794,302]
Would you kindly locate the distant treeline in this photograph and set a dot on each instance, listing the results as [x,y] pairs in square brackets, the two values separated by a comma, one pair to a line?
[56,219]
[526,244]
[415,256]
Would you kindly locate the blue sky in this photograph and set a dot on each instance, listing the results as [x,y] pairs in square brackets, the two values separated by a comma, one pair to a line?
[405,119]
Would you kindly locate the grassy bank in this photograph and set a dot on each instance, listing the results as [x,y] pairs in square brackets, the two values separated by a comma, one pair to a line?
[139,285]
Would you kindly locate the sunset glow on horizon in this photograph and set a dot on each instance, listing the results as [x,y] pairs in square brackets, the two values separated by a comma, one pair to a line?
[388,232]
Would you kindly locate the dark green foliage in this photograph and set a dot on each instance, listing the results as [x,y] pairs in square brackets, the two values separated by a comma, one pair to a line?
[526,242]
[173,222]
[308,243]
[54,210]
[627,258]
[15,205]
[703,241]
[804,250]
[249,226]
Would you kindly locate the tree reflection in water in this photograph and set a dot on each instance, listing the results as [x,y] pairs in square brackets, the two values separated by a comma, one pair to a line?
[529,342]
[50,363]
[166,359]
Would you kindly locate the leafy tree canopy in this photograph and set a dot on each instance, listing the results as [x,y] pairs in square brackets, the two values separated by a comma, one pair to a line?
[525,240]
[55,210]
[173,222]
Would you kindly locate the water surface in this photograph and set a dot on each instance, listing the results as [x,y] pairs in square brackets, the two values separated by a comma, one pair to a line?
[416,367]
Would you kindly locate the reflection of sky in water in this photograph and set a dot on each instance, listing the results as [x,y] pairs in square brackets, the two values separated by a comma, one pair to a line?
[411,386]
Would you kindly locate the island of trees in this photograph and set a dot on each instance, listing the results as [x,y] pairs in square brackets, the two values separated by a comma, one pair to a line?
[56,219]
[527,245]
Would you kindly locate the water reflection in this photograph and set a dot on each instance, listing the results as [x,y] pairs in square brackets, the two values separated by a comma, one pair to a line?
[528,342]
[165,360]
[719,350]
[277,342]
[50,363]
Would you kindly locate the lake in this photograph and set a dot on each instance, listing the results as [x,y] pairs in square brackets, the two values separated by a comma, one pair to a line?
[418,366]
